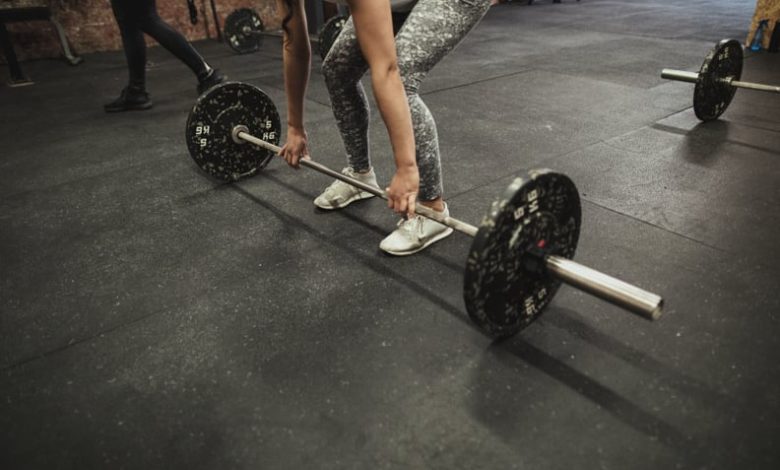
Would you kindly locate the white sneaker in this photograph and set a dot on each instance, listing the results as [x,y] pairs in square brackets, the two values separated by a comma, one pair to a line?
[412,235]
[340,194]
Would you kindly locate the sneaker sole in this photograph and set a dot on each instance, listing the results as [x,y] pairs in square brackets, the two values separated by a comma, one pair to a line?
[433,240]
[358,197]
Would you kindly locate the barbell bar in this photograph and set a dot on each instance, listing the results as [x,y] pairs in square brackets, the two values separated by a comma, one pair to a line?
[717,80]
[521,251]
[240,133]
[693,77]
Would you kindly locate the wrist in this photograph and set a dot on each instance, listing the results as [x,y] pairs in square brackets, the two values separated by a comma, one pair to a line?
[406,167]
[296,131]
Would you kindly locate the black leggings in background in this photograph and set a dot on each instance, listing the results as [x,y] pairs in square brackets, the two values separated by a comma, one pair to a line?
[136,17]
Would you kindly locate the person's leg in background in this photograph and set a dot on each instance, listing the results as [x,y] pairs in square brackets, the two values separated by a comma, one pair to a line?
[134,95]
[134,18]
[177,44]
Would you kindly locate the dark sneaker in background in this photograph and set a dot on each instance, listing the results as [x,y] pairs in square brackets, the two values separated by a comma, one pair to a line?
[131,99]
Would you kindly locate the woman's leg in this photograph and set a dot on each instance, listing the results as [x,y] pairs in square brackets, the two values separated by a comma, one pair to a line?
[432,30]
[343,68]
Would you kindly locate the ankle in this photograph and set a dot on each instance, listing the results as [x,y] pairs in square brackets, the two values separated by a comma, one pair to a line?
[135,87]
[436,204]
[205,74]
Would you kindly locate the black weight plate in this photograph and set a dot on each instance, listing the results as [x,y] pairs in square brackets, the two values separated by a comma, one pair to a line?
[506,287]
[239,26]
[713,94]
[211,123]
[329,32]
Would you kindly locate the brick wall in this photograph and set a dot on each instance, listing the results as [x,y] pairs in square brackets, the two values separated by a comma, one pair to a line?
[90,24]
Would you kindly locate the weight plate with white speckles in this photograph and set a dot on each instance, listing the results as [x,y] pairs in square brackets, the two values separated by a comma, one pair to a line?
[505,288]
[713,94]
[211,123]
[239,27]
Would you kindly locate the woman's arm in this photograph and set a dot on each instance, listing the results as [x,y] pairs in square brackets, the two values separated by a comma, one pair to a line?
[297,63]
[374,29]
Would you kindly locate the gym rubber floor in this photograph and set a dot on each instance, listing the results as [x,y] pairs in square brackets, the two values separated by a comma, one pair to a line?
[154,318]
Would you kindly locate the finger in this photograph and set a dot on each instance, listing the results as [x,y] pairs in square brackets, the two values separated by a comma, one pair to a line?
[389,198]
[411,205]
[401,206]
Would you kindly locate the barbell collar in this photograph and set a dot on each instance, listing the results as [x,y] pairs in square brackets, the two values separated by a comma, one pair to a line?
[239,132]
[630,297]
[680,75]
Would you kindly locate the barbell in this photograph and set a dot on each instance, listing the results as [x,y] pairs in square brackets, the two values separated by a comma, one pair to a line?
[244,32]
[717,80]
[521,251]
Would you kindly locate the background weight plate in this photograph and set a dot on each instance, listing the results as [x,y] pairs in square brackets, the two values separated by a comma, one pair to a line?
[712,96]
[329,32]
[211,122]
[236,25]
[505,285]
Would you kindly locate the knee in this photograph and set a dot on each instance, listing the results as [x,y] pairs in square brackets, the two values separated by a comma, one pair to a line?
[337,75]
[149,22]
[411,88]
[329,71]
[409,79]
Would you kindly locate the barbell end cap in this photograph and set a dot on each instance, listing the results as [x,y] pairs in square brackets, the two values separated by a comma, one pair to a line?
[237,130]
[668,74]
[652,312]
[658,312]
[680,75]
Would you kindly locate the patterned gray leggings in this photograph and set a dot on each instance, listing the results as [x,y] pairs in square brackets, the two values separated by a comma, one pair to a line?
[430,32]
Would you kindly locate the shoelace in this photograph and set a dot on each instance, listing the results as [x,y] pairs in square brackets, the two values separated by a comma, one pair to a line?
[411,225]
